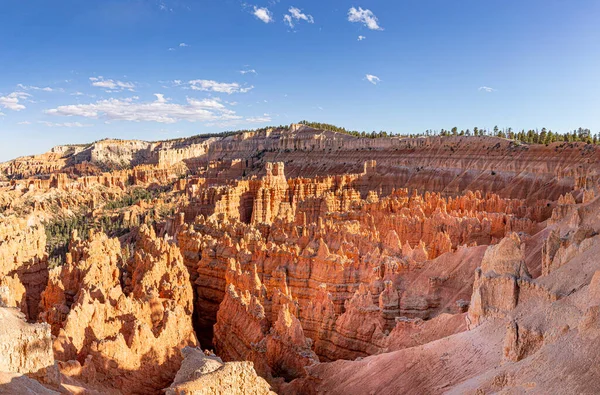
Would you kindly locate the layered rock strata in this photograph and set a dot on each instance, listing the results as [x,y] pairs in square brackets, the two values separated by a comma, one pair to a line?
[23,263]
[318,261]
[526,334]
[136,314]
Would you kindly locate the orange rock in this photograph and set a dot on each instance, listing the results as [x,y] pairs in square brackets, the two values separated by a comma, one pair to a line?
[134,333]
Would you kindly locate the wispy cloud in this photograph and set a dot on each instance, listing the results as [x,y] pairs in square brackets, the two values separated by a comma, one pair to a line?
[181,45]
[35,88]
[486,89]
[295,15]
[24,123]
[112,85]
[65,124]
[366,17]
[12,101]
[161,110]
[220,87]
[248,71]
[360,38]
[373,79]
[263,14]
[259,119]
[163,6]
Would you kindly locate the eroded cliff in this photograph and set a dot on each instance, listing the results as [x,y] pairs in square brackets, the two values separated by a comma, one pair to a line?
[306,260]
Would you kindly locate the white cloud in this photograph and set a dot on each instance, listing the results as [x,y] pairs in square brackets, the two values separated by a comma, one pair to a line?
[263,14]
[35,88]
[373,79]
[486,89]
[161,110]
[260,119]
[221,87]
[12,101]
[100,82]
[296,14]
[249,71]
[24,123]
[163,7]
[160,98]
[65,124]
[288,20]
[171,49]
[360,38]
[366,17]
[183,45]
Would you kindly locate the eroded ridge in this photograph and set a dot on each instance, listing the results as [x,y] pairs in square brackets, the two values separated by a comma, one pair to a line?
[305,260]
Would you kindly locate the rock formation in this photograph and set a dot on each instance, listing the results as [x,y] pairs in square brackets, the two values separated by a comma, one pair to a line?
[138,312]
[23,266]
[308,261]
[202,374]
[24,348]
[524,331]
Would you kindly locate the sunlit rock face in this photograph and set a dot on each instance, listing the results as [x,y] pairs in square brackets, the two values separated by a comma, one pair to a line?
[348,268]
[304,259]
[202,373]
[24,347]
[136,314]
[23,263]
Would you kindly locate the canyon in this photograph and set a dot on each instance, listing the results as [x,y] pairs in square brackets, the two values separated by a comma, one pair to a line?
[295,260]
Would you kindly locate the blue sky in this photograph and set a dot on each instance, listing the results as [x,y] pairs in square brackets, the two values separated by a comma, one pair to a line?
[74,71]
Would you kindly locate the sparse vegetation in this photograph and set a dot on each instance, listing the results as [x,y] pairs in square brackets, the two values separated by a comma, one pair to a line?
[531,136]
[59,231]
[136,195]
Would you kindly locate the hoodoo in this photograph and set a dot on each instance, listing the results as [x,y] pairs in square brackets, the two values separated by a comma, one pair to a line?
[297,260]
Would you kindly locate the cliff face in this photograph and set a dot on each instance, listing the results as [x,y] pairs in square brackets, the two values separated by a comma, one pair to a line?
[346,269]
[23,266]
[137,312]
[437,164]
[308,261]
[523,332]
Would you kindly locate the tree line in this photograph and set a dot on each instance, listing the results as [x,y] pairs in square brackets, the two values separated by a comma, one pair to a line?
[531,136]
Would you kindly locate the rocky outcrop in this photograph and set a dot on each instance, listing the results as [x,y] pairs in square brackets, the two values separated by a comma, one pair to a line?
[294,250]
[202,374]
[558,250]
[525,334]
[24,348]
[23,263]
[318,242]
[440,164]
[15,383]
[137,313]
[257,325]
[520,342]
[496,288]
